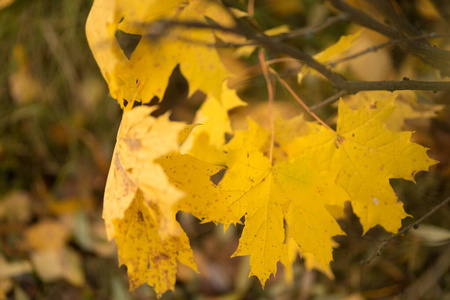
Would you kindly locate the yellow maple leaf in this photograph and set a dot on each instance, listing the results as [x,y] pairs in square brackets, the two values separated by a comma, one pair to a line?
[206,139]
[309,258]
[101,26]
[267,194]
[407,106]
[365,155]
[203,198]
[149,257]
[160,49]
[337,49]
[141,139]
[331,53]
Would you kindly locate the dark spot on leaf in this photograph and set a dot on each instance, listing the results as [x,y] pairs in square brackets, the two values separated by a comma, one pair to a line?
[140,216]
[339,140]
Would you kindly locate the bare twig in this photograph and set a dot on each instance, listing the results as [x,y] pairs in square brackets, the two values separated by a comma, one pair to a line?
[387,85]
[306,31]
[365,20]
[281,60]
[310,30]
[297,98]
[270,93]
[329,100]
[394,18]
[337,80]
[437,57]
[251,8]
[405,230]
[386,44]
[276,47]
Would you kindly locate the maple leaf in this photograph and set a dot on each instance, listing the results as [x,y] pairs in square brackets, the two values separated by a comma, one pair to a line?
[140,202]
[310,260]
[331,53]
[147,72]
[202,198]
[206,139]
[267,194]
[141,139]
[407,106]
[149,257]
[101,26]
[365,156]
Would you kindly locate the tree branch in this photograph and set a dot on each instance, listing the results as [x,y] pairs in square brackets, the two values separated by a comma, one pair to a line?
[405,230]
[437,57]
[386,44]
[310,30]
[392,85]
[329,100]
[337,80]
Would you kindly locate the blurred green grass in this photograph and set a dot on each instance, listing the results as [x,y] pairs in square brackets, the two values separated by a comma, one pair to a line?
[57,107]
[57,133]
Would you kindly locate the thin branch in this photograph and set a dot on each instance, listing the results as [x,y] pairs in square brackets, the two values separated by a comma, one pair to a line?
[329,100]
[365,20]
[277,47]
[337,80]
[251,7]
[297,98]
[281,60]
[394,18]
[220,44]
[437,57]
[388,43]
[310,30]
[387,85]
[405,230]
[270,93]
[306,31]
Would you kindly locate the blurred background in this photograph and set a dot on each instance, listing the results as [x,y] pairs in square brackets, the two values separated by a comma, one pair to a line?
[57,133]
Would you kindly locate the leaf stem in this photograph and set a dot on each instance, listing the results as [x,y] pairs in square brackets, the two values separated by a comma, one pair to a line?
[270,92]
[297,98]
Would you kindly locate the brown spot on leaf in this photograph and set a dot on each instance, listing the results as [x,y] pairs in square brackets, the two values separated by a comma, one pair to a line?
[161,256]
[140,216]
[133,144]
[339,140]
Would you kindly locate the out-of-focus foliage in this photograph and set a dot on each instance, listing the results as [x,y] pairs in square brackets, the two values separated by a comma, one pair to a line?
[57,131]
[55,146]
